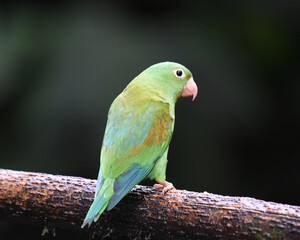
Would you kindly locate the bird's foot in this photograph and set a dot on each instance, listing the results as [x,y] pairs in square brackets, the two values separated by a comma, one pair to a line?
[166,186]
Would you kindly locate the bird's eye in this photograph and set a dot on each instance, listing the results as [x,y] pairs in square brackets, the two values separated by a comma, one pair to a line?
[179,73]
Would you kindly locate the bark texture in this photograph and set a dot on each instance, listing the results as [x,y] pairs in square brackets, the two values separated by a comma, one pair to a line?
[63,201]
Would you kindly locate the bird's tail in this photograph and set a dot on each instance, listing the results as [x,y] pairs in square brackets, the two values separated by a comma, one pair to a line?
[100,202]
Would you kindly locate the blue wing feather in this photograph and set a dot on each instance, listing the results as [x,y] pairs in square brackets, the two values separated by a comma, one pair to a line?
[100,182]
[126,181]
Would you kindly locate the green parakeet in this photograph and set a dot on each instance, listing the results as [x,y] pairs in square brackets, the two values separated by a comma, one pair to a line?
[138,132]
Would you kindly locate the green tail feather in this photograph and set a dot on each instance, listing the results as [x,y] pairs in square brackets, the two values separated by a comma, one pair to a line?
[100,203]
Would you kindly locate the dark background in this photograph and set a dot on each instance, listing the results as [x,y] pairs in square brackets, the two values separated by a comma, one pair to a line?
[61,66]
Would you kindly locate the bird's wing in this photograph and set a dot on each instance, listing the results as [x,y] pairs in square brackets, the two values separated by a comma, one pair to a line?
[136,136]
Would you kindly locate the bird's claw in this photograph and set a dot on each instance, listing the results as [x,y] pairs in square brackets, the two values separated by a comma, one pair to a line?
[166,186]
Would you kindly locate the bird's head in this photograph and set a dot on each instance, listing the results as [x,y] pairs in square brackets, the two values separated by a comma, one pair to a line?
[170,80]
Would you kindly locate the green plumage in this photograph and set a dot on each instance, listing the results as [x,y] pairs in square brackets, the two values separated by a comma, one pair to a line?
[137,135]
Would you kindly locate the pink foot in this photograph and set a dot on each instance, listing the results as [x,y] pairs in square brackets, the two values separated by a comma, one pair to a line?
[166,186]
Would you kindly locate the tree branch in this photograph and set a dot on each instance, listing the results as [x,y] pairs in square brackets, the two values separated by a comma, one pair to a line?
[62,202]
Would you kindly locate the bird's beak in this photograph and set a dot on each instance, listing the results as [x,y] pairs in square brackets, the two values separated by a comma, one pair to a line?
[190,89]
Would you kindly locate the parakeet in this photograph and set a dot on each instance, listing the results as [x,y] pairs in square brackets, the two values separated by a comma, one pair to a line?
[138,133]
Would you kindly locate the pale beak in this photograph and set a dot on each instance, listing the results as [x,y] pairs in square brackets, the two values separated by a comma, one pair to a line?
[190,89]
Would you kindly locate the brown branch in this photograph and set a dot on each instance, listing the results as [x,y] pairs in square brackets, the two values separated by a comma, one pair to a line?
[62,202]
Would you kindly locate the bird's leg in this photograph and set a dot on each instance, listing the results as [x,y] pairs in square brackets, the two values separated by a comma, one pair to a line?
[166,186]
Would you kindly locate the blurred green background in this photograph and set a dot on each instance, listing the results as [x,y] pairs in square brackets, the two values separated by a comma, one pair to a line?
[62,65]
